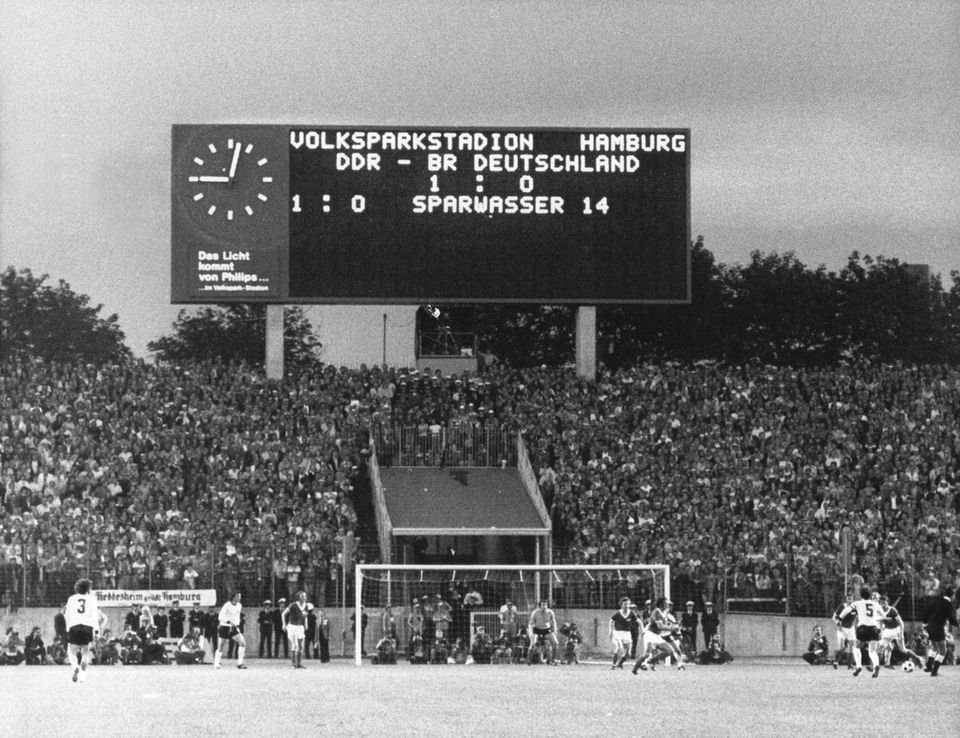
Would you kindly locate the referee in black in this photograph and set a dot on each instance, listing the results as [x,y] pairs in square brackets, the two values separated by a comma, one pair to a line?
[937,616]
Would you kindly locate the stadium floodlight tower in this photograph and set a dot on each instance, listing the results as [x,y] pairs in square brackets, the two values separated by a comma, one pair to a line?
[570,589]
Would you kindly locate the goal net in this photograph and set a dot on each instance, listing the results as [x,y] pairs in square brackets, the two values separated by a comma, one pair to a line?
[388,594]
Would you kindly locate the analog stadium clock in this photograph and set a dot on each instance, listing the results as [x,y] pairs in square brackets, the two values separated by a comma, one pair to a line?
[227,181]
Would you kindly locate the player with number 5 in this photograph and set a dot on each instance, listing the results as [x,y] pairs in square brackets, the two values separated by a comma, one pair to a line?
[869,619]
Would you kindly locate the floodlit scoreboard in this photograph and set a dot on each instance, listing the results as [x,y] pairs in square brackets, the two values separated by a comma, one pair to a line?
[351,215]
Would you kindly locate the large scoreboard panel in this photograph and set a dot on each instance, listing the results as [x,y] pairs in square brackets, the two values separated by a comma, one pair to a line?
[339,214]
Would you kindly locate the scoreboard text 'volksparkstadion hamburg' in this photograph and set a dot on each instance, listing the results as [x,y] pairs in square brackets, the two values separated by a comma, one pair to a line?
[338,214]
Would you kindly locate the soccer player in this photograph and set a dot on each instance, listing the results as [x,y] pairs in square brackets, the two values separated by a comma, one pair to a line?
[543,622]
[869,618]
[937,616]
[891,636]
[621,624]
[654,646]
[228,629]
[294,620]
[669,628]
[845,633]
[83,626]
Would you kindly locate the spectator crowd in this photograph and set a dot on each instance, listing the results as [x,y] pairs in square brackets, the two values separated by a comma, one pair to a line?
[746,479]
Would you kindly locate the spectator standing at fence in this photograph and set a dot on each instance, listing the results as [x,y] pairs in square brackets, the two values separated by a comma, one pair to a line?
[279,637]
[442,615]
[688,629]
[211,628]
[60,625]
[161,622]
[146,620]
[364,619]
[131,620]
[176,618]
[323,636]
[931,589]
[195,618]
[635,625]
[310,632]
[265,630]
[709,624]
[509,619]
[190,576]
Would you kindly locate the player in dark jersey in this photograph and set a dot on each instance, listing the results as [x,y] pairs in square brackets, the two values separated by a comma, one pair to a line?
[845,633]
[294,624]
[892,643]
[940,612]
[621,625]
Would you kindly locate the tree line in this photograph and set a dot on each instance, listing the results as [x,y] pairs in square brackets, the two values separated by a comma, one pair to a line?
[773,309]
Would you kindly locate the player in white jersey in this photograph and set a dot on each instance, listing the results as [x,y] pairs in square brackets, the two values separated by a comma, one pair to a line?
[655,645]
[229,629]
[869,621]
[84,619]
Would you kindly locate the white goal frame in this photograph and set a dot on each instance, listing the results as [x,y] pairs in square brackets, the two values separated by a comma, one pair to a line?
[453,569]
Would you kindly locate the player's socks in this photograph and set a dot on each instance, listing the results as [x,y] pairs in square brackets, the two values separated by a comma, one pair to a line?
[929,664]
[241,650]
[216,659]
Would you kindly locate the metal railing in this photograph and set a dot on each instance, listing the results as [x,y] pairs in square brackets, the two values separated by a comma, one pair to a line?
[453,445]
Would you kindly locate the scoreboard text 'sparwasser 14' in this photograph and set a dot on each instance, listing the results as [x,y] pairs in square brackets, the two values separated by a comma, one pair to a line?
[338,214]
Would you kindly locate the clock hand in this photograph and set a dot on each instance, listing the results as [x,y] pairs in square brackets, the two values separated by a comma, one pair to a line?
[213,179]
[236,157]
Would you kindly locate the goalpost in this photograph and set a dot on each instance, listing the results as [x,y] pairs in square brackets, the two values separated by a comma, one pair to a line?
[578,593]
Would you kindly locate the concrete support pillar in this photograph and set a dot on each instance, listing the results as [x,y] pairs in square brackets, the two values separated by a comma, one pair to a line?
[274,339]
[586,341]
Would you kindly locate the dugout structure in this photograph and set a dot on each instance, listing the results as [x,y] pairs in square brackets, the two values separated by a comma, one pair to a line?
[576,592]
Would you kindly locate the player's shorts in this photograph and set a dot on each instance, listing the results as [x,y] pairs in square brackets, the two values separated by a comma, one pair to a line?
[226,632]
[936,634]
[889,635]
[653,639]
[542,631]
[80,635]
[295,632]
[623,638]
[867,633]
[846,634]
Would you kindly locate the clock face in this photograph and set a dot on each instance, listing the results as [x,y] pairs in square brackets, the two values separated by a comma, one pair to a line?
[228,183]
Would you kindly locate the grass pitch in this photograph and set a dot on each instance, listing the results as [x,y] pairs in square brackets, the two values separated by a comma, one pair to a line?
[745,698]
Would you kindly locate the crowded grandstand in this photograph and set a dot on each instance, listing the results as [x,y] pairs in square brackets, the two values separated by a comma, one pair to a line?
[747,480]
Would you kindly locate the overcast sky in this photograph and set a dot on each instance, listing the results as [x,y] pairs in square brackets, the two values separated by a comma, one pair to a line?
[816,127]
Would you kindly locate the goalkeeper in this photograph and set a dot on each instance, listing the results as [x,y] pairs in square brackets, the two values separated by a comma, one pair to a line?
[543,622]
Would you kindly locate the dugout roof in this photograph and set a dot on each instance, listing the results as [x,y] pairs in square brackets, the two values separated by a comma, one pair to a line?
[459,501]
